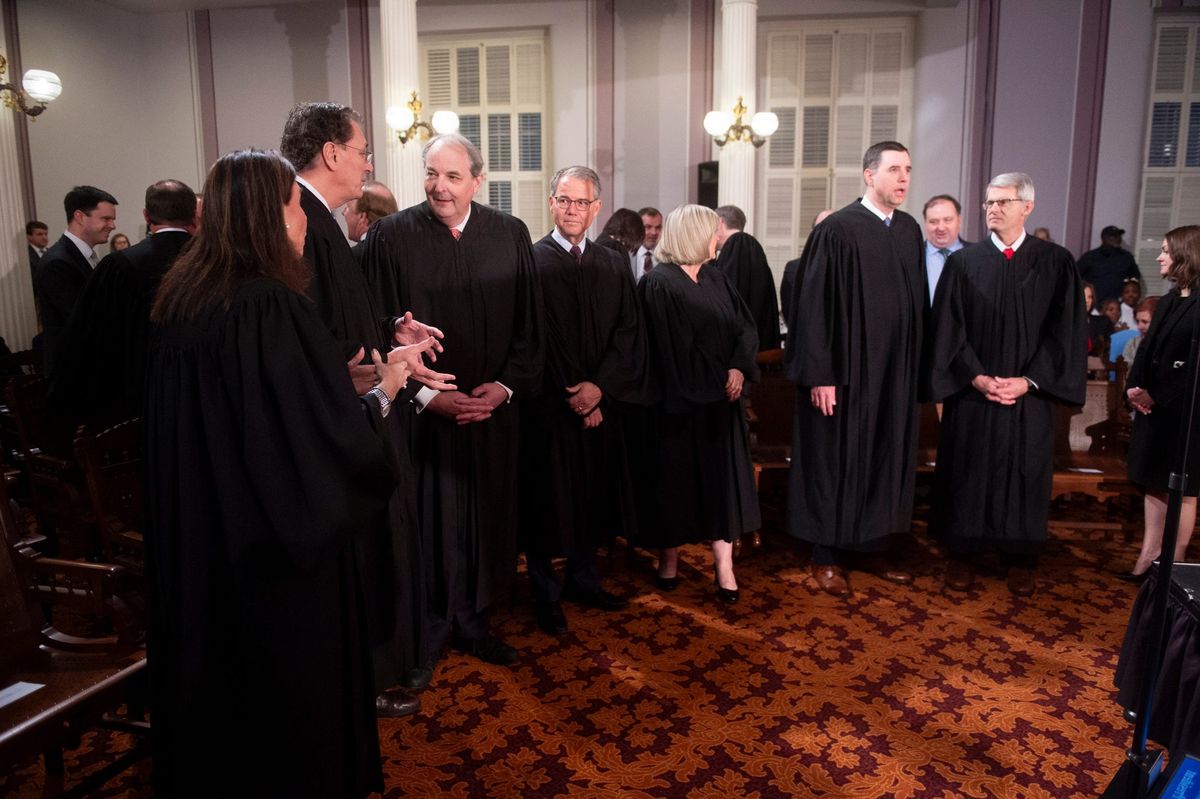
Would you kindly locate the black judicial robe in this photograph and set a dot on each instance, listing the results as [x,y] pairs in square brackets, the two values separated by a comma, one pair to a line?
[262,469]
[482,291]
[1019,318]
[576,487]
[1162,369]
[744,264]
[855,323]
[390,558]
[704,477]
[99,374]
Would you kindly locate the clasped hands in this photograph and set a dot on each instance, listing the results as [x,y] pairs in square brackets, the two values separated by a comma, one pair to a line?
[584,399]
[1001,390]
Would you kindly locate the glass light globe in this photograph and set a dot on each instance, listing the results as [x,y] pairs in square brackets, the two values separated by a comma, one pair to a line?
[764,123]
[717,122]
[400,117]
[41,85]
[444,121]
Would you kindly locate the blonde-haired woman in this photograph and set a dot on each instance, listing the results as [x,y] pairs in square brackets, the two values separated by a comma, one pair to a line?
[702,343]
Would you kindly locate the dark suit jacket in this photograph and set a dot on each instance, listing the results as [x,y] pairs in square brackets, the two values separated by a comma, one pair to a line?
[34,258]
[57,284]
[99,372]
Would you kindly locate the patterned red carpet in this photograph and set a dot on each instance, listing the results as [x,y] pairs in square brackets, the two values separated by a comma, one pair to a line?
[897,692]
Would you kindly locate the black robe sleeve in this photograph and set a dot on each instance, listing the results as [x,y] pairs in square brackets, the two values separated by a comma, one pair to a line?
[818,352]
[1058,365]
[623,371]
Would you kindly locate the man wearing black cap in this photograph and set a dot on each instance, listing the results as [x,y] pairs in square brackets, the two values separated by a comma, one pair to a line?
[1108,266]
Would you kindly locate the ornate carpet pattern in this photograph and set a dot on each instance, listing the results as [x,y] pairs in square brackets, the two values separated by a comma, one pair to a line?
[904,692]
[896,692]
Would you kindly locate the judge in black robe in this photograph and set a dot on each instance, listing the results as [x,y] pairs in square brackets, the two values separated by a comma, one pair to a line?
[575,487]
[99,376]
[744,265]
[330,176]
[262,469]
[855,323]
[482,288]
[701,334]
[994,317]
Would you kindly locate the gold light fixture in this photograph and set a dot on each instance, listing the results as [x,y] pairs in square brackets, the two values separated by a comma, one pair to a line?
[406,121]
[725,127]
[38,87]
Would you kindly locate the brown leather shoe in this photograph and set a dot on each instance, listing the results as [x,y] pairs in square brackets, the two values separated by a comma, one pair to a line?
[1021,581]
[831,579]
[887,570]
[958,575]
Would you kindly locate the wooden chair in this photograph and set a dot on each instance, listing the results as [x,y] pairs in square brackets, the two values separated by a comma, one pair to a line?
[63,683]
[56,486]
[770,408]
[112,464]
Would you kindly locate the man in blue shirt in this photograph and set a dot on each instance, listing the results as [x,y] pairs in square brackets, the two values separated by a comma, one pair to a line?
[943,217]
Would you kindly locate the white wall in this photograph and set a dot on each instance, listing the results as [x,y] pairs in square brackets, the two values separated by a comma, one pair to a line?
[1037,70]
[1123,125]
[265,60]
[126,117]
[650,102]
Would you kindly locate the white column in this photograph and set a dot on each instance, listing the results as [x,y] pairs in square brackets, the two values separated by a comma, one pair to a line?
[401,77]
[739,54]
[18,318]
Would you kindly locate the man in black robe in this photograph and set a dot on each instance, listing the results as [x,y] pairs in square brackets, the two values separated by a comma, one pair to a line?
[1009,344]
[326,143]
[575,488]
[854,338]
[99,376]
[471,268]
[744,264]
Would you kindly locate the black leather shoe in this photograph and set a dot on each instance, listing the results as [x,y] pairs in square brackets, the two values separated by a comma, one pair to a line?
[666,583]
[418,679]
[489,649]
[596,598]
[550,618]
[393,704]
[729,596]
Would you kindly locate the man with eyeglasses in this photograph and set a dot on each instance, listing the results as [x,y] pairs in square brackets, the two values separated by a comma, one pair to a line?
[854,337]
[573,475]
[326,144]
[471,268]
[1009,345]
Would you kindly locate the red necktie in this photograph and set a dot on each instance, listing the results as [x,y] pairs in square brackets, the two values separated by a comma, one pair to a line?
[646,264]
[577,253]
[456,233]
[1008,253]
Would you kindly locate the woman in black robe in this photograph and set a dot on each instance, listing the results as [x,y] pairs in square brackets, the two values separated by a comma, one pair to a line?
[1158,390]
[702,342]
[262,469]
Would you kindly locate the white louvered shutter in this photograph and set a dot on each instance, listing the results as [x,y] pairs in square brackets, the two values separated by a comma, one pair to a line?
[837,86]
[1170,192]
[496,84]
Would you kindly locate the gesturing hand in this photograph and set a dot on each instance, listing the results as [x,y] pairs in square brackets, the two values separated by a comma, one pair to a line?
[410,331]
[362,374]
[411,354]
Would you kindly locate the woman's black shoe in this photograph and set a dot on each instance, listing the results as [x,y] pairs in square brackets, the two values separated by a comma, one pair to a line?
[1136,579]
[727,595]
[666,583]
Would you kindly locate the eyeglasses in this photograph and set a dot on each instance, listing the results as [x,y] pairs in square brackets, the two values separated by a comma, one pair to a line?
[580,205]
[1002,204]
[367,154]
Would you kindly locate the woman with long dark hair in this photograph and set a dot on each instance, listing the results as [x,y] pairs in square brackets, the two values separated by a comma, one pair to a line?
[1158,389]
[263,470]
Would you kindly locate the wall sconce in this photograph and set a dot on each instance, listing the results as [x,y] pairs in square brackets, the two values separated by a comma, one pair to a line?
[38,85]
[406,121]
[725,127]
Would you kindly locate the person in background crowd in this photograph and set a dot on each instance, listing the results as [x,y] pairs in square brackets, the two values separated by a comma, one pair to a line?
[1144,316]
[118,242]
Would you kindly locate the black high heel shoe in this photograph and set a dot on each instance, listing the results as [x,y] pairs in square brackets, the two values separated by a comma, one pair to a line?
[727,595]
[1136,579]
